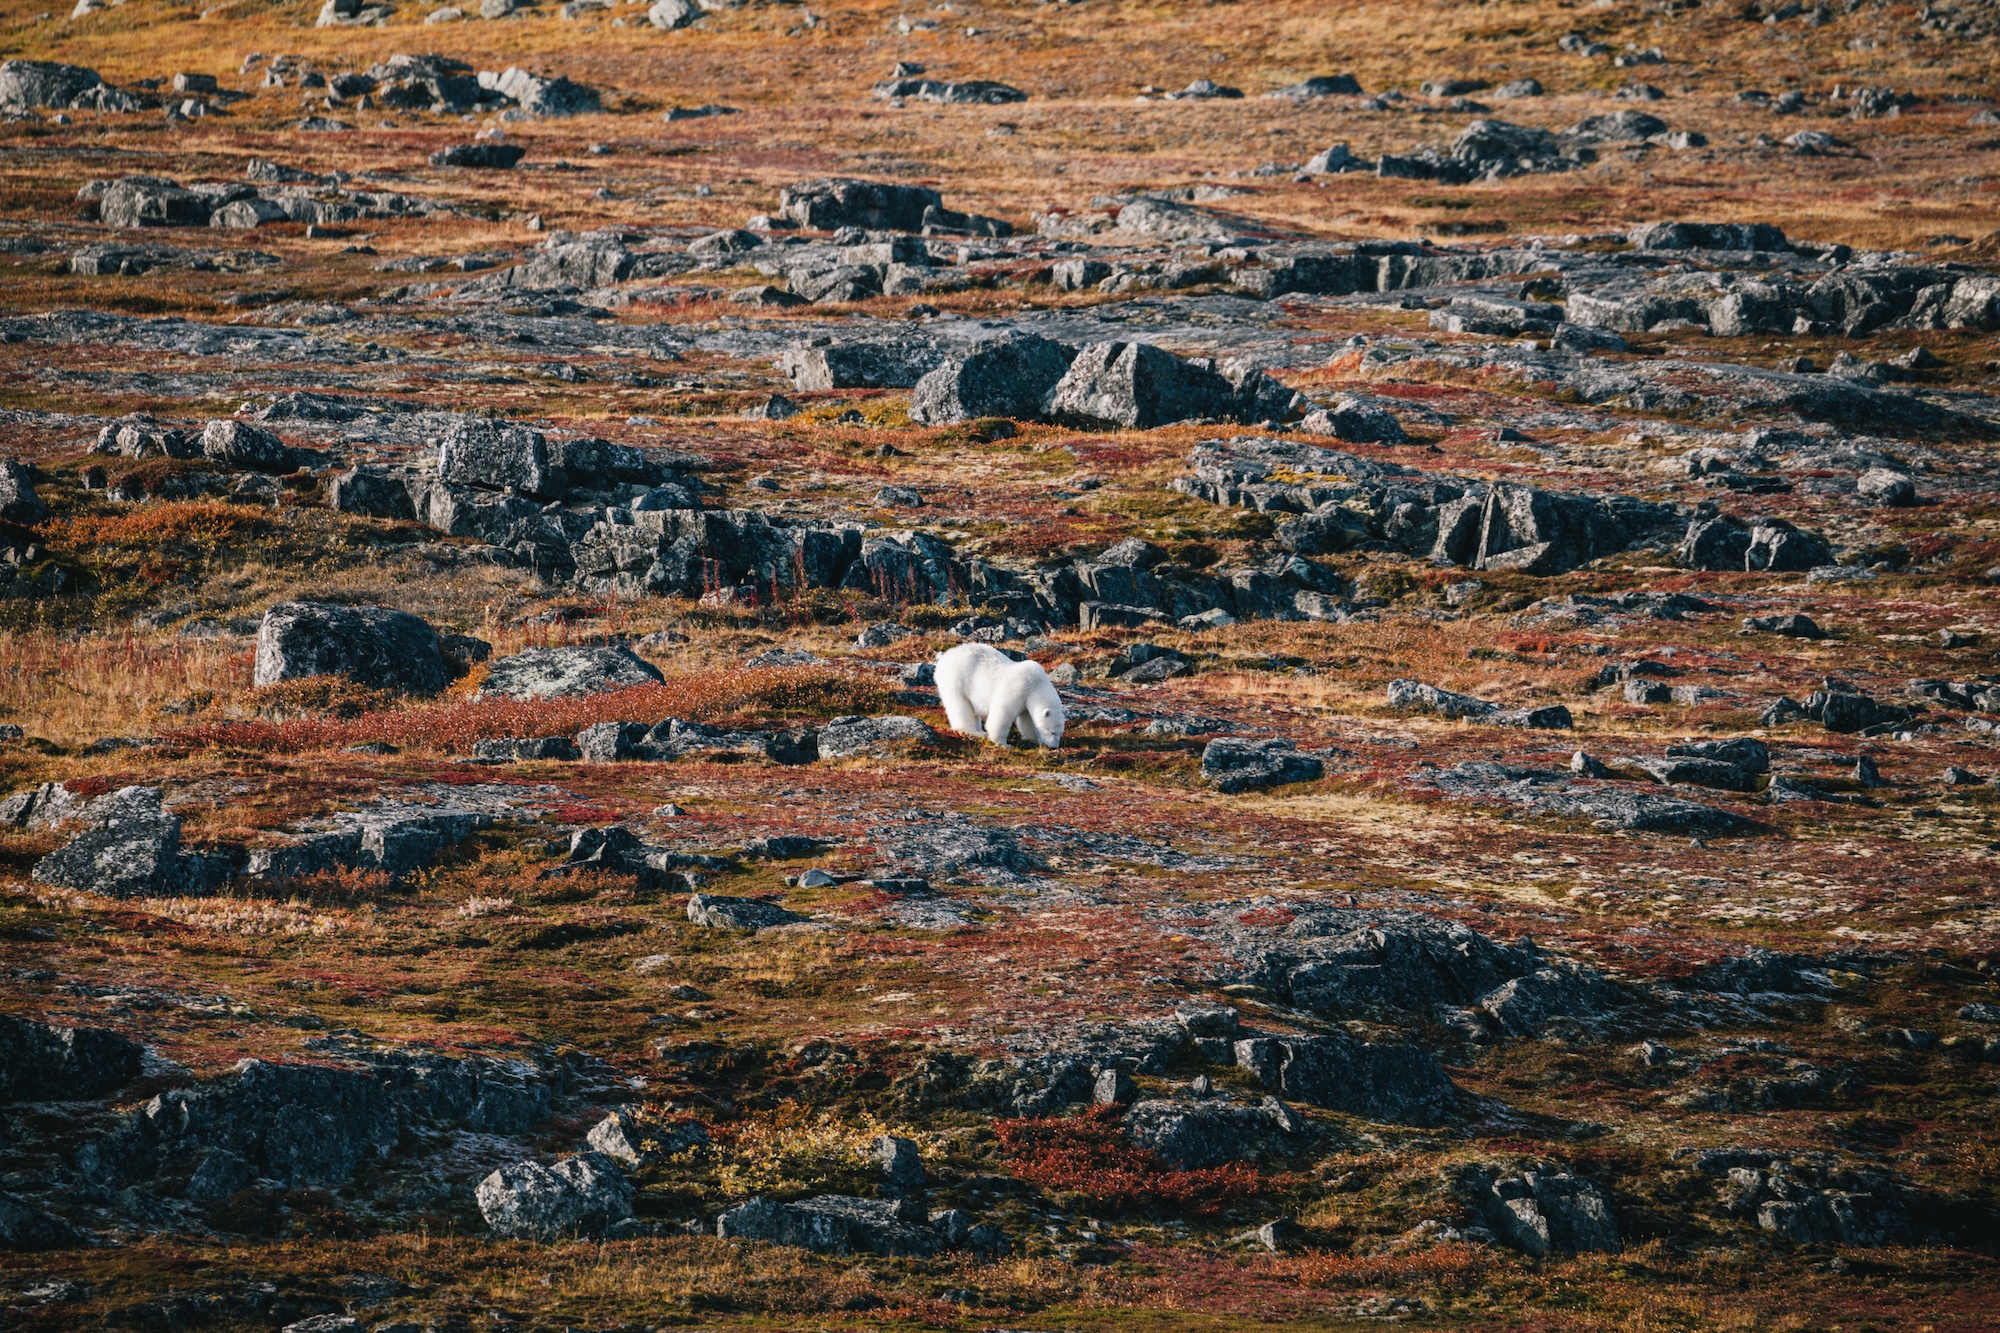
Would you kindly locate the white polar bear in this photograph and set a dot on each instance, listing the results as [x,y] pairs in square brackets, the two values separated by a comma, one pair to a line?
[985,692]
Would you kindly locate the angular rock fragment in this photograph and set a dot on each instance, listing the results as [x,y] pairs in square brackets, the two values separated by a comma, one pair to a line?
[1190,1135]
[46,1062]
[130,847]
[635,1141]
[18,501]
[836,1224]
[1543,1211]
[370,645]
[719,913]
[1011,376]
[1136,386]
[567,673]
[834,202]
[577,1196]
[1233,766]
[1400,1084]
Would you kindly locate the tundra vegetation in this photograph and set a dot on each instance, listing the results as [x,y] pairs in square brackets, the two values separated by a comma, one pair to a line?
[1505,492]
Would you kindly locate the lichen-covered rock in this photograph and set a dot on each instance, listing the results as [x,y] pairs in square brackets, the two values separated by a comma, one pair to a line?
[1137,386]
[835,202]
[50,1062]
[238,444]
[1188,1134]
[636,1141]
[1544,1210]
[720,913]
[577,1196]
[26,1227]
[1397,1083]
[850,737]
[130,848]
[564,673]
[18,501]
[836,1224]
[1008,377]
[496,456]
[370,645]
[1230,765]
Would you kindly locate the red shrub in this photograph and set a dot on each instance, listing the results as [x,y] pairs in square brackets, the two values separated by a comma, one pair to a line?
[1457,1267]
[453,725]
[1087,1154]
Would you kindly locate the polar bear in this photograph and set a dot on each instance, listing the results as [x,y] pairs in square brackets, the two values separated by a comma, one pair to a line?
[985,692]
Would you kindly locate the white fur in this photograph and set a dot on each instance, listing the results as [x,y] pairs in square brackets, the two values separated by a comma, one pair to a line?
[986,693]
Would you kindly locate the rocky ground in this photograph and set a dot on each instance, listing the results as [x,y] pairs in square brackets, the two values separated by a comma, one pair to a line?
[1506,494]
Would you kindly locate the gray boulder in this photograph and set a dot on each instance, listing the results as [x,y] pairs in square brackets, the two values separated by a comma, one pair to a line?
[950,92]
[1190,1134]
[824,364]
[1791,626]
[1232,766]
[483,156]
[370,493]
[33,85]
[152,201]
[18,501]
[1324,85]
[41,1062]
[1618,127]
[1416,696]
[1008,377]
[539,95]
[313,1125]
[849,737]
[834,202]
[371,645]
[239,445]
[719,913]
[1886,487]
[26,1227]
[495,456]
[1397,1083]
[1543,1211]
[1356,421]
[1137,386]
[567,673]
[836,1224]
[636,1141]
[130,848]
[577,1196]
[44,805]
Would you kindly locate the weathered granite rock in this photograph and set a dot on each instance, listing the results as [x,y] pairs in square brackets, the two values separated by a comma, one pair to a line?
[1542,1211]
[130,848]
[1136,386]
[836,1224]
[848,737]
[1010,376]
[636,1141]
[1401,1084]
[566,673]
[371,645]
[835,202]
[18,501]
[719,913]
[1231,765]
[238,444]
[577,1196]
[1191,1134]
[44,1062]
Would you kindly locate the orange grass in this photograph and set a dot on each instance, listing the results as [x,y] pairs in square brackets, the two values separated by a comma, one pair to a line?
[453,726]
[1087,1154]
